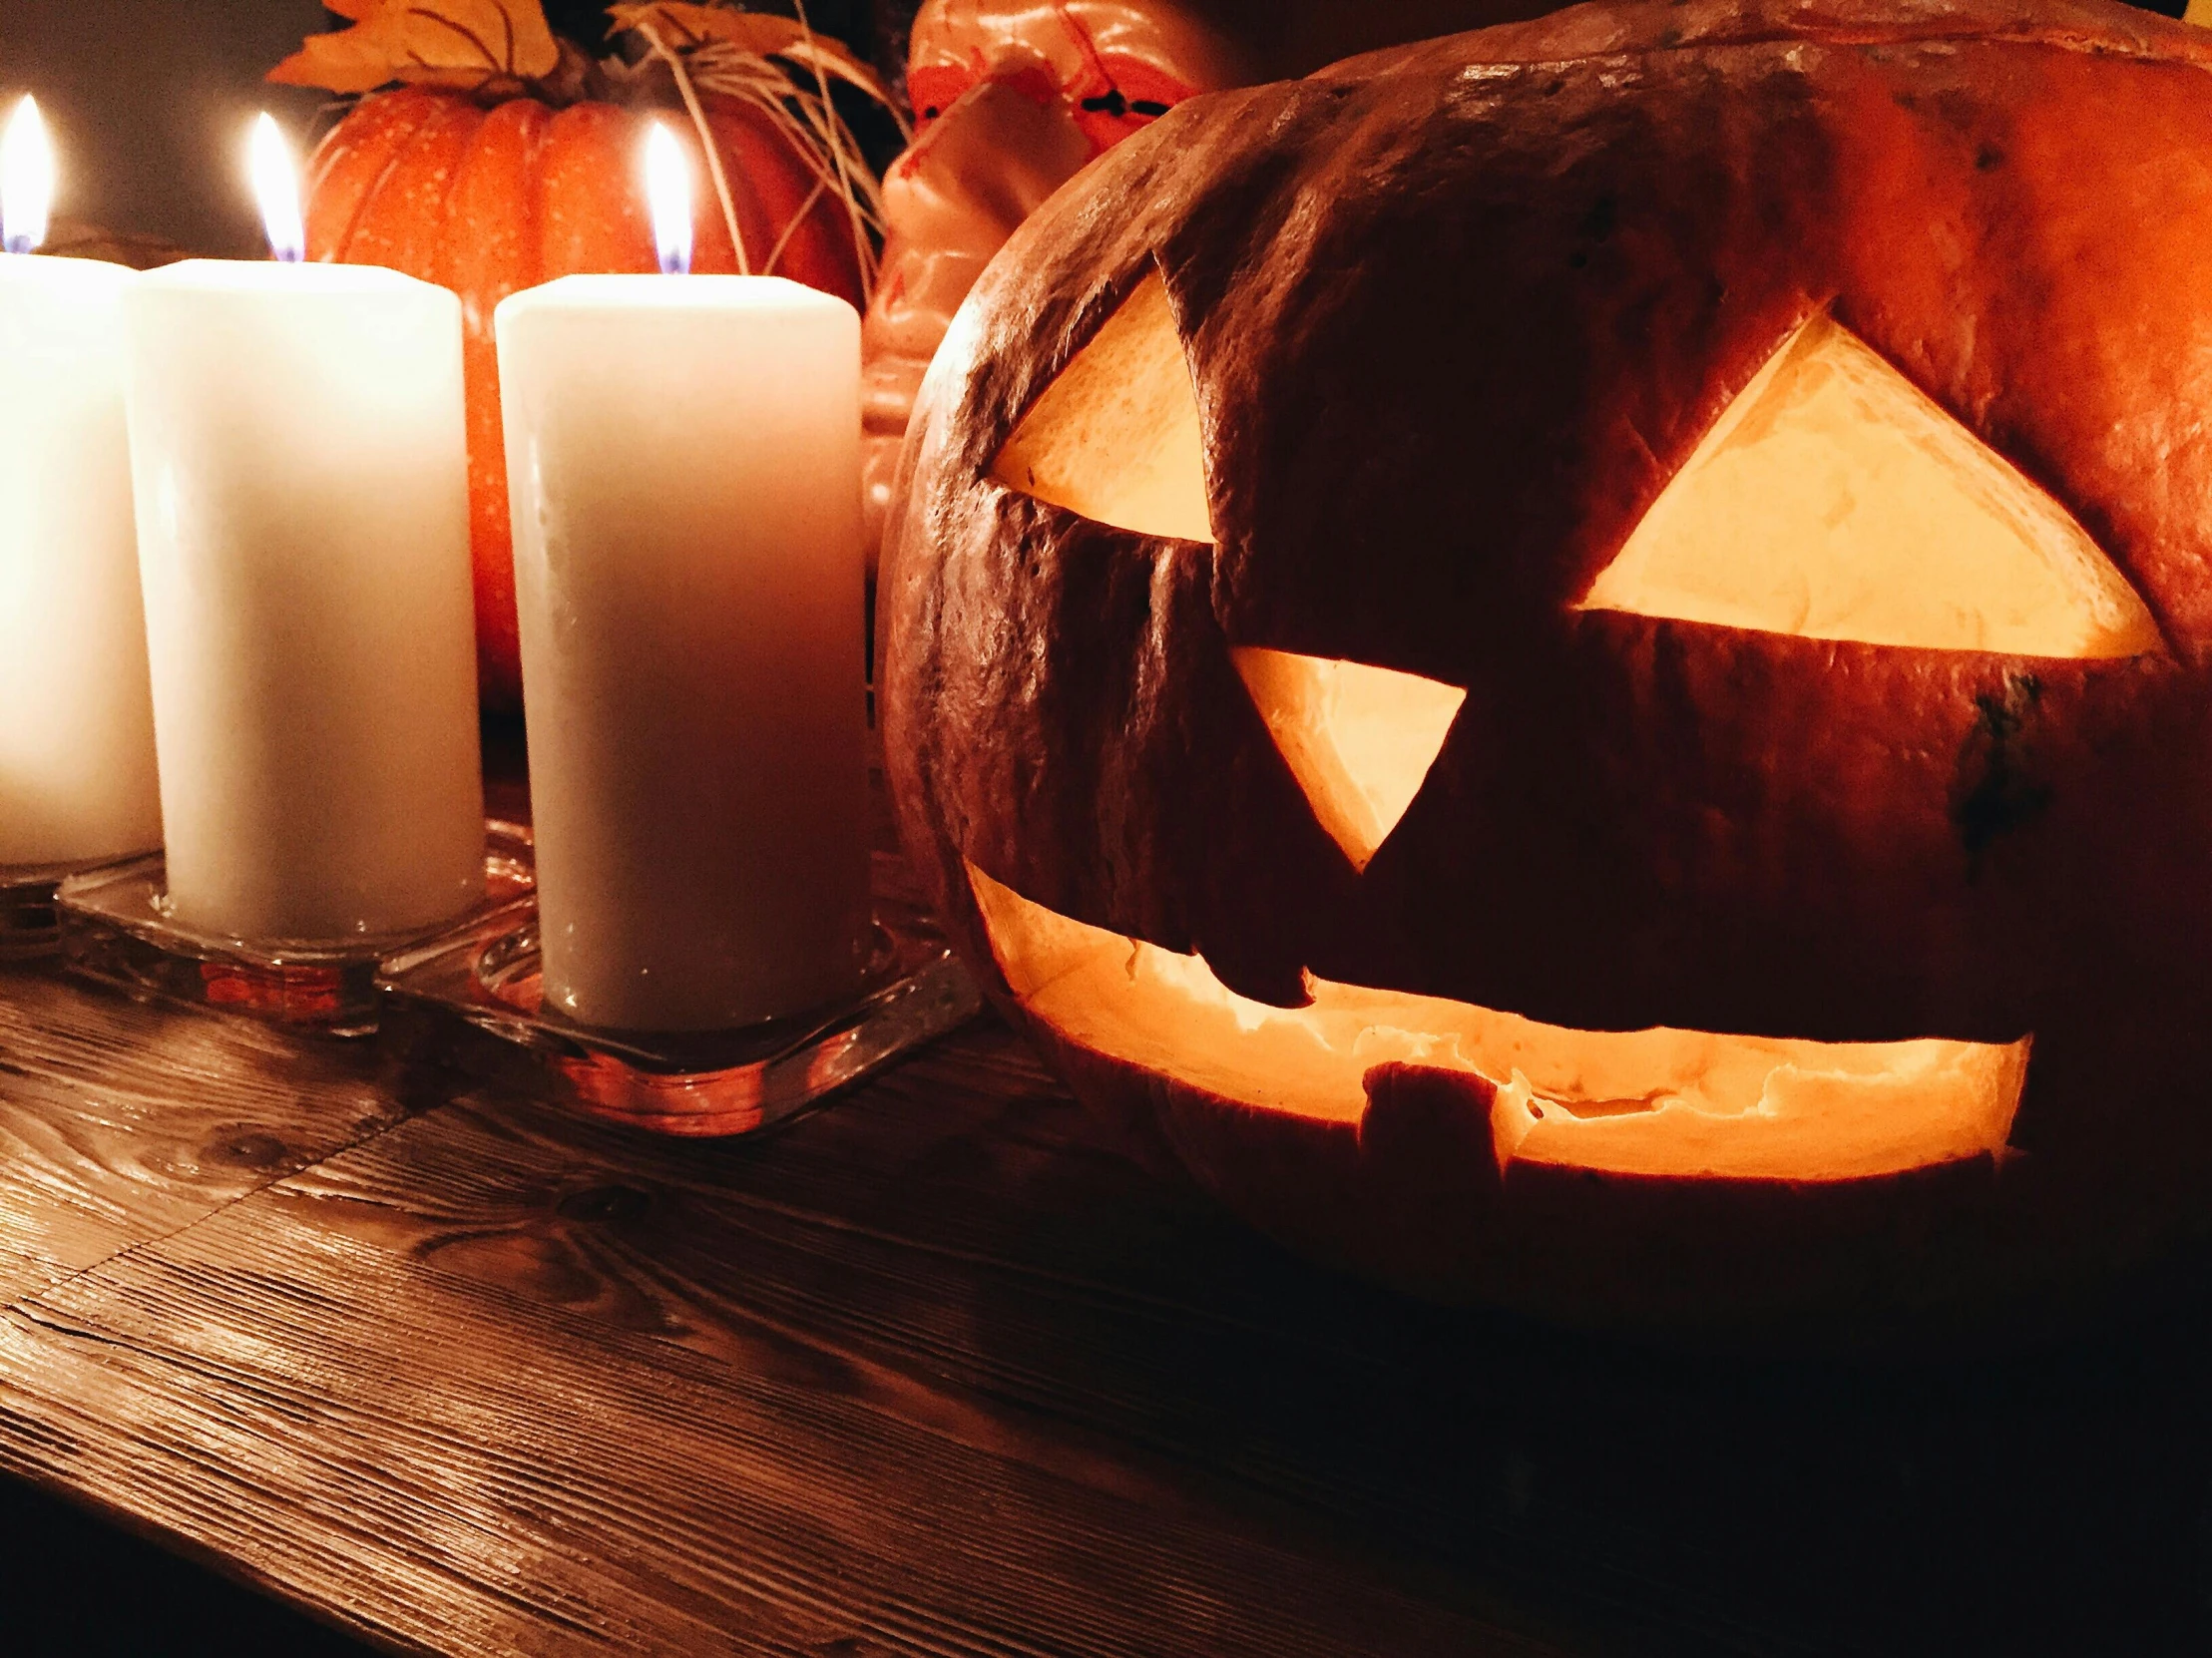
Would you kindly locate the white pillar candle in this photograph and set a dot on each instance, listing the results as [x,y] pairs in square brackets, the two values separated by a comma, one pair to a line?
[298,446]
[76,724]
[685,464]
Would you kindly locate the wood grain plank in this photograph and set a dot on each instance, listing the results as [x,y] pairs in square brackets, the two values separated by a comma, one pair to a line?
[122,1123]
[452,1467]
[938,1370]
[960,1245]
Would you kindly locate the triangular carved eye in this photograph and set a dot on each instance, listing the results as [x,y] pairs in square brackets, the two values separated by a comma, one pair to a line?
[1116,437]
[1359,739]
[1835,500]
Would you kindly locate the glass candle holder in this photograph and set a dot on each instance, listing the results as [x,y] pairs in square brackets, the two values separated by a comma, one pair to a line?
[118,926]
[485,979]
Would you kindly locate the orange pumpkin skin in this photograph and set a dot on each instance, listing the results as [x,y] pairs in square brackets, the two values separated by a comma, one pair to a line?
[491,200]
[1455,314]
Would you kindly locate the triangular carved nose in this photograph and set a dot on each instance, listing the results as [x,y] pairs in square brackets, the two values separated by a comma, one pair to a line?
[1359,739]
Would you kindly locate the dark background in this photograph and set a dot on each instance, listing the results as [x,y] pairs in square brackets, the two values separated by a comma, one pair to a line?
[149,102]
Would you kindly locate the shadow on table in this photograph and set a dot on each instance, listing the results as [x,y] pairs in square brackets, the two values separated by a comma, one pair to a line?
[2053,1502]
[963,1224]
[74,1587]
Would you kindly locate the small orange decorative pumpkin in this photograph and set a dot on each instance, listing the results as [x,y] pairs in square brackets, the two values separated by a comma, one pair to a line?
[1575,663]
[499,167]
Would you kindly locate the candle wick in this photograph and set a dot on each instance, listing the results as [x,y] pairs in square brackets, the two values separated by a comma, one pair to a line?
[291,256]
[16,244]
[676,261]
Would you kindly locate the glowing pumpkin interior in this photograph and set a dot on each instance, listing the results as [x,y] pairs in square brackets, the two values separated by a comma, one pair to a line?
[1832,499]
[1638,1101]
[1359,739]
[1836,500]
[1115,439]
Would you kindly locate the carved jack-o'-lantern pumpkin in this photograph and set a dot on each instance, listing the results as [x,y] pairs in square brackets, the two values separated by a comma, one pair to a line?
[1574,661]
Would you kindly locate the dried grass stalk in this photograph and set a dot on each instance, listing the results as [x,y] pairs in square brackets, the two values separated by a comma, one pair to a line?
[750,59]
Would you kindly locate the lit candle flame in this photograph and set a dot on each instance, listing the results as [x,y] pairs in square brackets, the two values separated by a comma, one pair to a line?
[669,189]
[276,183]
[26,179]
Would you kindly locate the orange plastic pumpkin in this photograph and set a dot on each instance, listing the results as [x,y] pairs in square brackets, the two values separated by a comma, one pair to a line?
[1575,663]
[490,200]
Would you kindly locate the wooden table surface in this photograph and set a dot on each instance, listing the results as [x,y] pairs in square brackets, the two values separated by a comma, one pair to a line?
[937,1371]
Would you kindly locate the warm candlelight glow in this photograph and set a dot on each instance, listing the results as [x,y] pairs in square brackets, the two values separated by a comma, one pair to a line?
[668,187]
[277,185]
[77,780]
[686,560]
[298,441]
[26,179]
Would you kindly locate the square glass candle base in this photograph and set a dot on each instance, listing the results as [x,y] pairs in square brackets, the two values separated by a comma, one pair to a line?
[115,928]
[30,922]
[486,975]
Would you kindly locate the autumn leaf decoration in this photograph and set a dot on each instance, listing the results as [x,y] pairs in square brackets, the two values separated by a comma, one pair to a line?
[495,49]
[466,45]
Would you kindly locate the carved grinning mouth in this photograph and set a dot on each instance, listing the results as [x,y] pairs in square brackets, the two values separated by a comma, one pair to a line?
[1659,1101]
